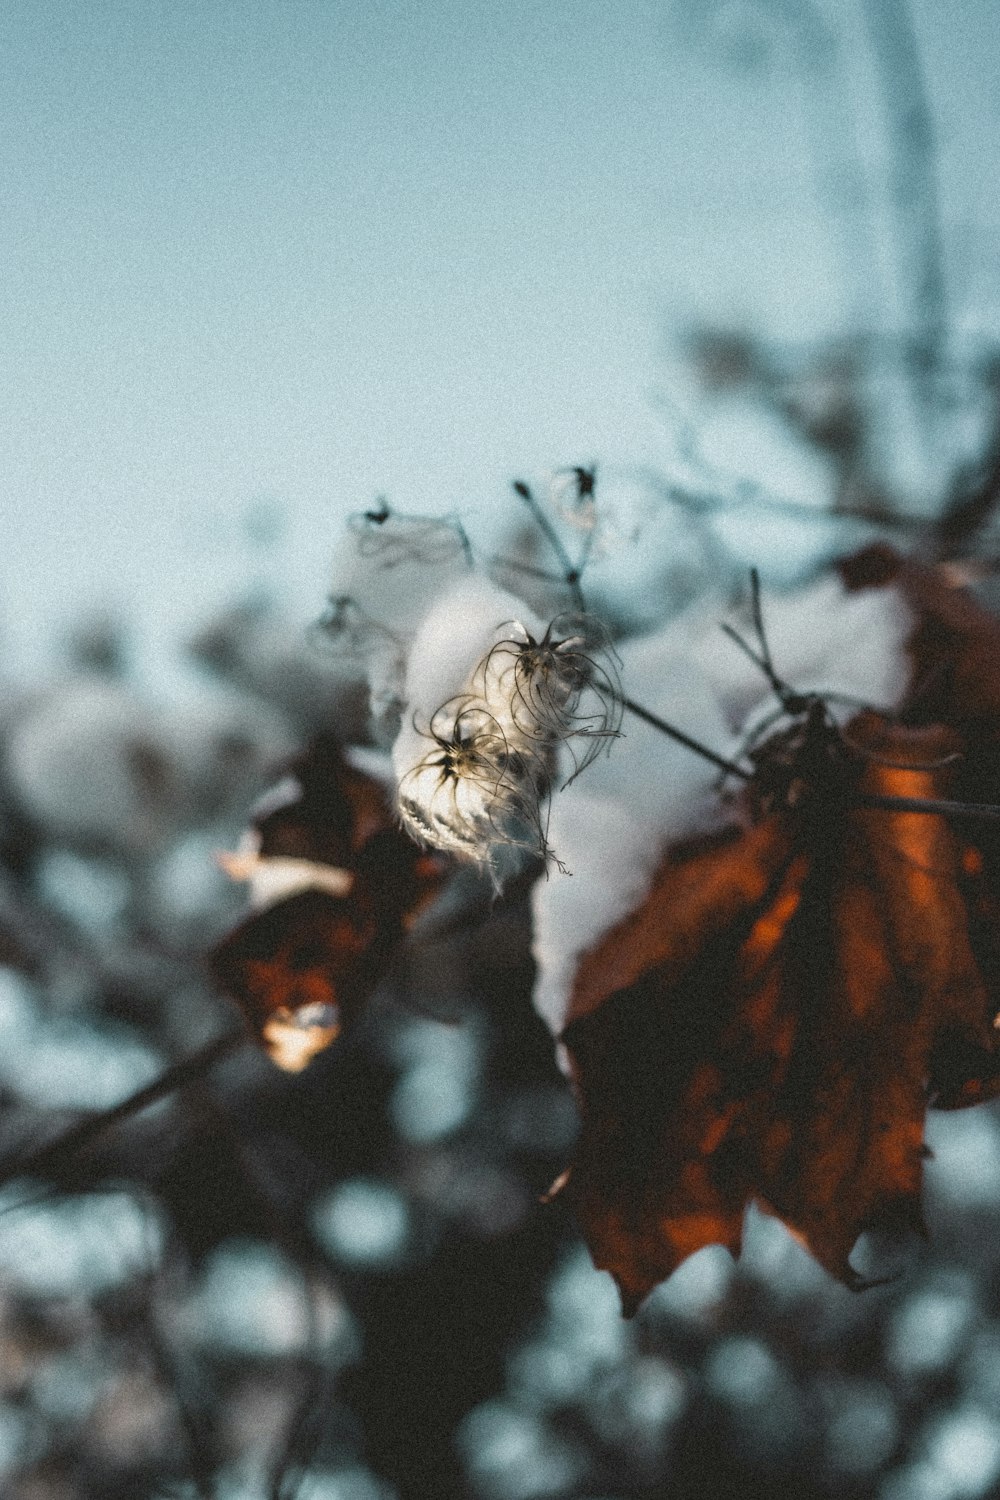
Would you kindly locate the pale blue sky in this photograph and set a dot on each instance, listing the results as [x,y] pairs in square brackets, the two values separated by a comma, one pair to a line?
[320,251]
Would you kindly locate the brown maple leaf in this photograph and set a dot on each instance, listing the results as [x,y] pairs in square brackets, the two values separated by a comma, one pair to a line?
[954,649]
[342,883]
[772,1022]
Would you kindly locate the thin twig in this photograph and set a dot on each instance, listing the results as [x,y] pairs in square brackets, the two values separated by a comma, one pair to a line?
[687,740]
[750,495]
[943,808]
[914,175]
[514,565]
[79,1136]
[570,573]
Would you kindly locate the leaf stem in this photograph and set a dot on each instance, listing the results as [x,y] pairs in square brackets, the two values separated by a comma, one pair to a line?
[571,574]
[943,808]
[687,740]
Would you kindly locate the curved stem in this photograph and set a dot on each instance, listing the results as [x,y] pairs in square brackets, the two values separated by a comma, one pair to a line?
[79,1136]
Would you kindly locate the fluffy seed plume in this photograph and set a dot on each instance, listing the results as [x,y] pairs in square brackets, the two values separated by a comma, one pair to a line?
[472,792]
[475,764]
[562,687]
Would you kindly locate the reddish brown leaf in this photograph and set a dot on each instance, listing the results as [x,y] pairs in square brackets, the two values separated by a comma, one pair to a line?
[955,648]
[301,968]
[771,1023]
[337,810]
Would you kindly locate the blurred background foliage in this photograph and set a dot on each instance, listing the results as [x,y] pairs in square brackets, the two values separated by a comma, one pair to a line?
[342,1285]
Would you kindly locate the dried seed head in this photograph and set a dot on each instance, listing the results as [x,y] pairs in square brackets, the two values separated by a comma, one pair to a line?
[492,698]
[347,630]
[563,688]
[391,538]
[572,493]
[471,792]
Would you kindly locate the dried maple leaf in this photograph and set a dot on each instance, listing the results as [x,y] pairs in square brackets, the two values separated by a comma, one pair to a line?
[338,882]
[955,674]
[772,1022]
[954,649]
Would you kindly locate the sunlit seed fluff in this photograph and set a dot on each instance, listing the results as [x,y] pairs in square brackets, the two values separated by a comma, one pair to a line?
[562,687]
[471,791]
[462,786]
[475,766]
